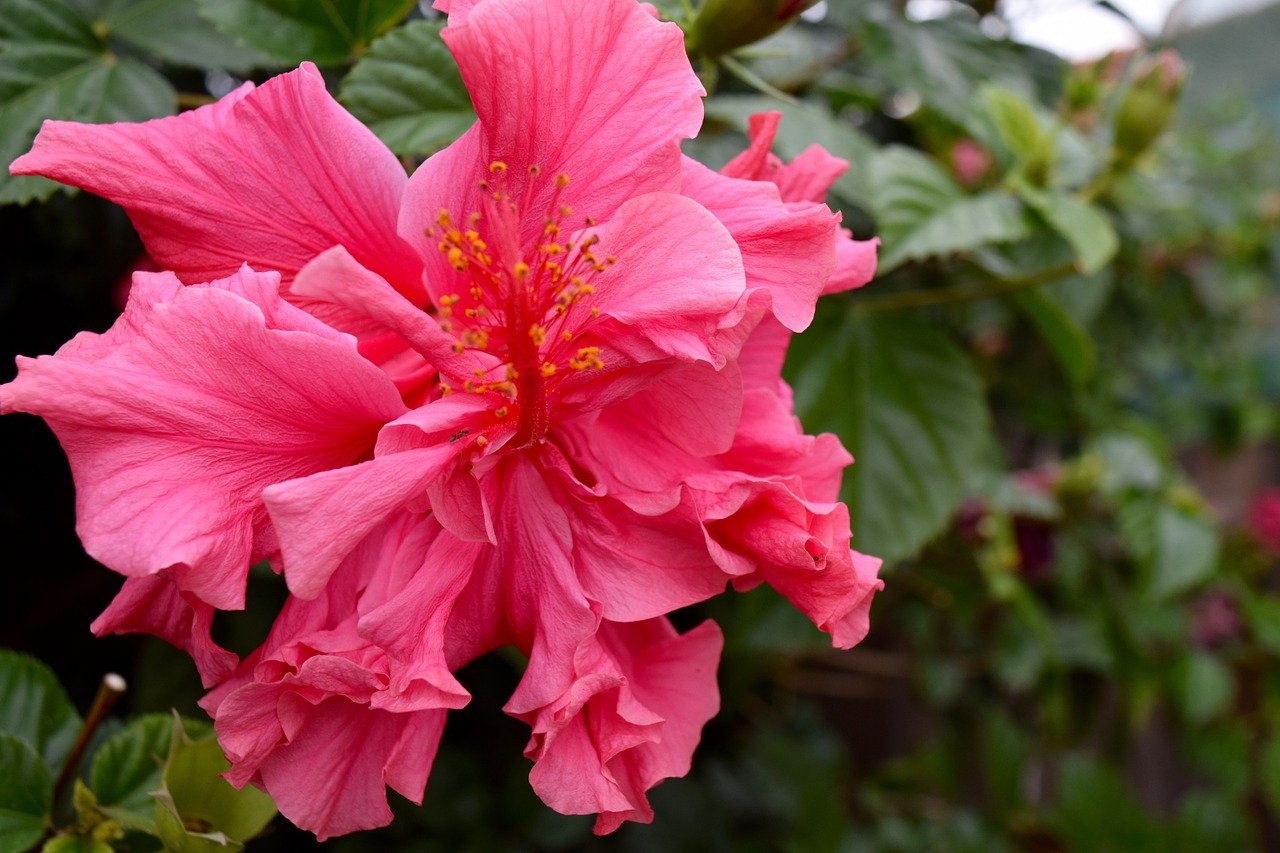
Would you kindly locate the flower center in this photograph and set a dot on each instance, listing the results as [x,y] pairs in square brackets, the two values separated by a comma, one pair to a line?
[521,298]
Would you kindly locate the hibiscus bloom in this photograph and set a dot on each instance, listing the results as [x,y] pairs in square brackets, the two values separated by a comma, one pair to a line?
[529,396]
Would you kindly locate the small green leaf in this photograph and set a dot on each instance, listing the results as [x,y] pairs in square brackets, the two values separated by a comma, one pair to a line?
[1206,687]
[920,212]
[1128,462]
[1186,552]
[53,65]
[407,89]
[75,844]
[193,794]
[326,32]
[1070,344]
[26,795]
[35,709]
[1080,223]
[1015,120]
[909,406]
[127,768]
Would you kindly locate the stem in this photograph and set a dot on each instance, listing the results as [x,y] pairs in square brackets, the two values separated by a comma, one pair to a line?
[958,293]
[111,688]
[746,75]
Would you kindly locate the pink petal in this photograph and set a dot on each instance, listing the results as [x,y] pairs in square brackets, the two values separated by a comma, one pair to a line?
[541,599]
[154,605]
[175,421]
[674,299]
[321,518]
[855,262]
[786,250]
[632,717]
[636,567]
[367,301]
[410,627]
[331,777]
[610,118]
[271,176]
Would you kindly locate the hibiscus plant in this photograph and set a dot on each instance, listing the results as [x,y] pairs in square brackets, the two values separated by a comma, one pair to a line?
[442,397]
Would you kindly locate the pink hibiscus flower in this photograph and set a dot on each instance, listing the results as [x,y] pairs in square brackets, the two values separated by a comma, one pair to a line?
[529,396]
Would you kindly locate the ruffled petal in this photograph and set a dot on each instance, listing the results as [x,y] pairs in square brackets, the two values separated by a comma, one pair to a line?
[154,605]
[631,717]
[270,176]
[177,420]
[787,250]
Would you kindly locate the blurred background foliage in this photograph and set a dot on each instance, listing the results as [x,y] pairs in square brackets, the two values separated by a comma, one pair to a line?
[1061,391]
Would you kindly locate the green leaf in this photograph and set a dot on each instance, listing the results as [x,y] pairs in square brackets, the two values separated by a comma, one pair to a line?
[1206,687]
[35,709]
[127,768]
[407,89]
[909,406]
[1083,225]
[1128,462]
[1070,344]
[53,65]
[803,125]
[946,60]
[1263,613]
[172,30]
[1015,121]
[1098,814]
[326,32]
[193,794]
[1186,552]
[920,212]
[26,795]
[1082,297]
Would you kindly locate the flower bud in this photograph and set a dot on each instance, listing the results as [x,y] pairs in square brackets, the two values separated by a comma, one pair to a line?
[722,26]
[1147,108]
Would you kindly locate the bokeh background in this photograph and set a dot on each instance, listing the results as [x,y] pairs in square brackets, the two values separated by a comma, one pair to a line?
[1062,393]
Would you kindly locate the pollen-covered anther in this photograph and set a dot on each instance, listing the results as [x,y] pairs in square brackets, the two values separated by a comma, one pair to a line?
[587,358]
[521,270]
[547,369]
[497,166]
[500,412]
[562,181]
[537,334]
[481,441]
[445,390]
